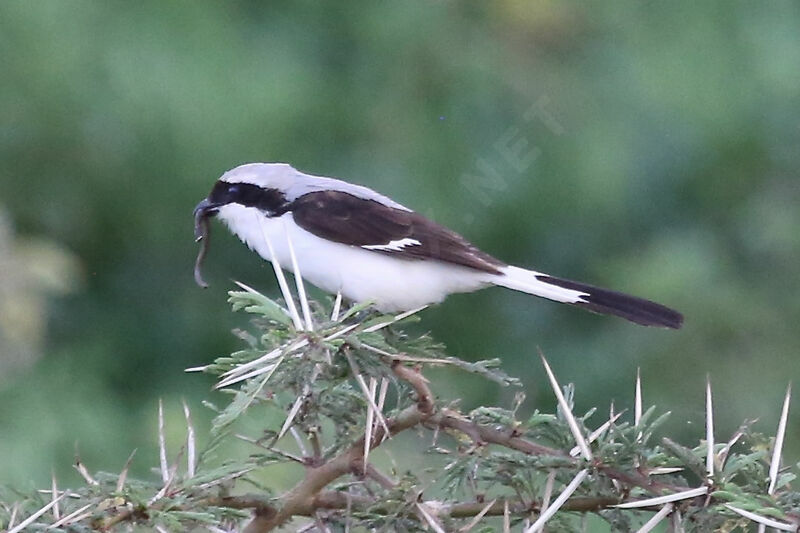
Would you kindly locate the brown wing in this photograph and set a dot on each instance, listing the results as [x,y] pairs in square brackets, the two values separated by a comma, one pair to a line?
[342,217]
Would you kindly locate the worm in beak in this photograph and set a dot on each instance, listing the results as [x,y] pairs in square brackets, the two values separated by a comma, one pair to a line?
[202,233]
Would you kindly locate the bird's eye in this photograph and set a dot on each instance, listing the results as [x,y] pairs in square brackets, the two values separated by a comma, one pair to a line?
[234,189]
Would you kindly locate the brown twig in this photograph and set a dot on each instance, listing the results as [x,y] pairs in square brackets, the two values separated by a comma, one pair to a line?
[334,499]
[481,435]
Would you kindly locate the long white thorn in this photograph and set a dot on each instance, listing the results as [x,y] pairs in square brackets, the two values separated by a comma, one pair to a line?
[660,471]
[394,319]
[571,421]
[677,521]
[32,518]
[84,472]
[382,394]
[369,397]
[429,518]
[290,417]
[709,429]
[123,476]
[299,401]
[637,407]
[658,517]
[372,405]
[235,375]
[257,372]
[637,403]
[13,519]
[191,447]
[561,500]
[72,516]
[548,493]
[659,500]
[474,522]
[287,294]
[594,435]
[299,441]
[162,443]
[769,522]
[239,369]
[775,464]
[368,427]
[298,279]
[167,484]
[56,510]
[722,456]
[337,307]
[290,347]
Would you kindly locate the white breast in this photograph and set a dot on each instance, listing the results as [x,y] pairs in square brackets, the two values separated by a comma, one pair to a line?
[361,275]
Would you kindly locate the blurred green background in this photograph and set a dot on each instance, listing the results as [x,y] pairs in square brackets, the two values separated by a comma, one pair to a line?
[649,147]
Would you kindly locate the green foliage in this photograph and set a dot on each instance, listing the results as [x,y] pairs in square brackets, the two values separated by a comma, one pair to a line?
[311,394]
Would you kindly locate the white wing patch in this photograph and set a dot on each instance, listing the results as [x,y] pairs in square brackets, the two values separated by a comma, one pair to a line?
[393,246]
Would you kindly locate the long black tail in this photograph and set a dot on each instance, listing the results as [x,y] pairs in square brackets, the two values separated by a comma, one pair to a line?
[589,297]
[608,302]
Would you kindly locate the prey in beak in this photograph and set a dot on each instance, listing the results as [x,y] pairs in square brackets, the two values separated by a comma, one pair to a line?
[202,233]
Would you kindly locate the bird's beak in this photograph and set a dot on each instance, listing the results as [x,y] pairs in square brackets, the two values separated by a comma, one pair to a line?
[202,212]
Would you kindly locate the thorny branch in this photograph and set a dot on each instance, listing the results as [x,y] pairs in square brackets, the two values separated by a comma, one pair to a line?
[499,452]
[332,499]
[309,495]
[302,499]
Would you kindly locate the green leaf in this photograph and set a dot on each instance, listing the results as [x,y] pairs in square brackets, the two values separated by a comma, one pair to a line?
[218,475]
[257,303]
[688,457]
[355,309]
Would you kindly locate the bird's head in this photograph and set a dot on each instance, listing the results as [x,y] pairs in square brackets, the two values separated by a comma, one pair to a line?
[258,185]
[254,189]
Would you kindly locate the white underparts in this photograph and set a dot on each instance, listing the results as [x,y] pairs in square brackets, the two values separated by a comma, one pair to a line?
[391,283]
[393,246]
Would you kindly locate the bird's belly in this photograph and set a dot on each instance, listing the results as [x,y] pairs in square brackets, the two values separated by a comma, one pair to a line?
[392,284]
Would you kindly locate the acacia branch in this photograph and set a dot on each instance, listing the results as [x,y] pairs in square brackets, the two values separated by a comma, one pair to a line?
[338,500]
[302,499]
[309,495]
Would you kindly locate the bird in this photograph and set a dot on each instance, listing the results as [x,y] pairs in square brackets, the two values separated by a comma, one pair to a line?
[349,239]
